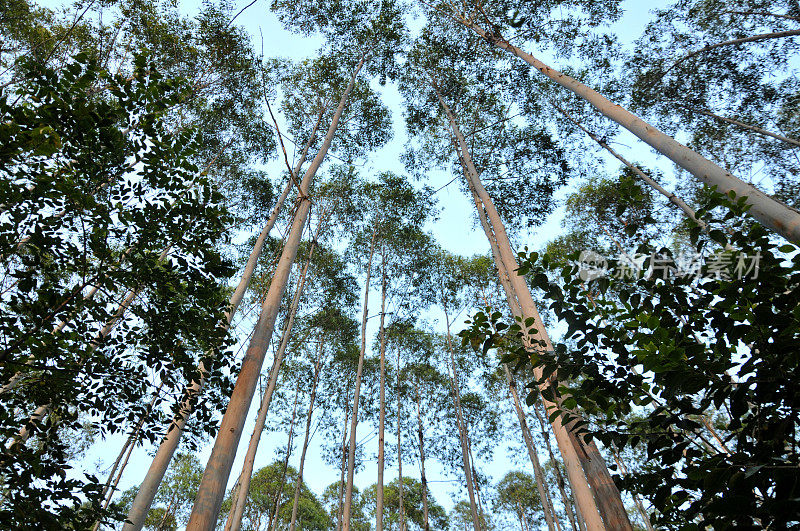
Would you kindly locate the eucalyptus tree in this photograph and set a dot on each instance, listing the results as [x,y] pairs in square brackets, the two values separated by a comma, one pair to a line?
[396,213]
[491,22]
[435,75]
[211,490]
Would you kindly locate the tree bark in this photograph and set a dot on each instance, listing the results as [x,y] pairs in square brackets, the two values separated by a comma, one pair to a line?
[249,461]
[212,486]
[772,213]
[309,413]
[166,450]
[351,456]
[579,456]
[636,500]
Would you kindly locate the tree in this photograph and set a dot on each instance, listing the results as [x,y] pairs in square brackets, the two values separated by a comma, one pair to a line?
[517,494]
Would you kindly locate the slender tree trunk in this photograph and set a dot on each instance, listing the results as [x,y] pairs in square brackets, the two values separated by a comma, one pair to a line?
[342,470]
[733,42]
[559,478]
[671,197]
[475,478]
[772,213]
[547,507]
[258,429]
[399,445]
[273,519]
[578,455]
[212,486]
[460,424]
[166,450]
[310,412]
[351,456]
[636,499]
[382,400]
[742,125]
[423,477]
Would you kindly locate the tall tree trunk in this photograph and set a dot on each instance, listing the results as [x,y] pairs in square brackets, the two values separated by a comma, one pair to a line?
[460,424]
[274,517]
[579,456]
[309,413]
[475,478]
[249,461]
[565,499]
[399,445]
[342,470]
[772,213]
[423,477]
[166,450]
[544,495]
[382,400]
[351,456]
[212,486]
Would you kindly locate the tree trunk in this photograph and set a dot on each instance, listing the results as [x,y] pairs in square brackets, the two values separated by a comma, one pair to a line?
[579,456]
[212,486]
[772,213]
[399,446]
[460,424]
[544,495]
[255,439]
[166,450]
[351,456]
[559,478]
[273,519]
[310,412]
[423,477]
[381,401]
[342,470]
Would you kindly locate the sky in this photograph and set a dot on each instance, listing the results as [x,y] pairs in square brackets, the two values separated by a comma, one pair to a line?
[455,229]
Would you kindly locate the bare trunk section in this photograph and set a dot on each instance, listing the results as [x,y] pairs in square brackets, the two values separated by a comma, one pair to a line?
[381,401]
[544,495]
[460,424]
[309,413]
[399,445]
[671,197]
[772,213]
[351,456]
[273,519]
[342,470]
[212,486]
[166,450]
[579,456]
[249,461]
[423,477]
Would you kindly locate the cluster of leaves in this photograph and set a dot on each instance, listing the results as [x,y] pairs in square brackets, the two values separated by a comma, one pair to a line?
[109,281]
[658,359]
